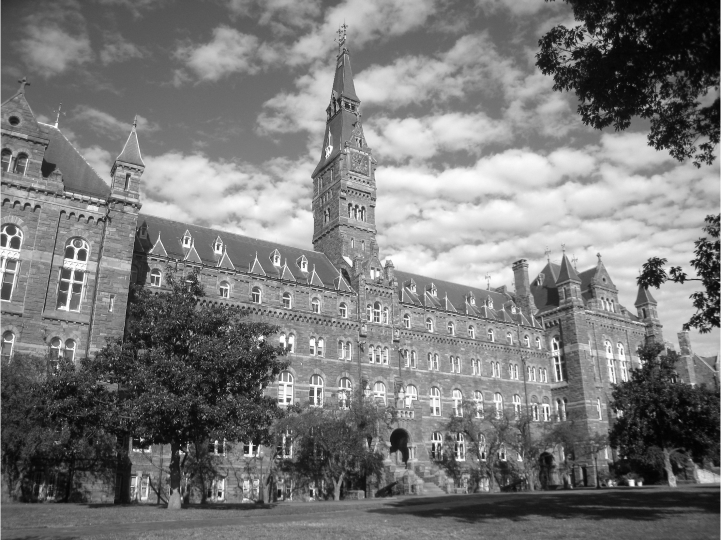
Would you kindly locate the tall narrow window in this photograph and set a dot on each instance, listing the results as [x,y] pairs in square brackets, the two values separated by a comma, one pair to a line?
[498,404]
[321,347]
[561,409]
[385,356]
[406,320]
[534,412]
[429,324]
[341,350]
[291,343]
[379,392]
[8,344]
[598,408]
[385,315]
[526,341]
[315,392]
[21,164]
[411,396]
[256,295]
[517,406]
[126,187]
[435,396]
[70,350]
[509,338]
[457,403]
[348,351]
[345,389]
[478,398]
[311,346]
[11,241]
[559,361]
[315,305]
[55,352]
[285,389]
[414,359]
[371,354]
[471,332]
[491,335]
[72,275]
[343,310]
[451,328]
[459,447]
[377,312]
[7,156]
[436,445]
[611,371]
[538,343]
[287,300]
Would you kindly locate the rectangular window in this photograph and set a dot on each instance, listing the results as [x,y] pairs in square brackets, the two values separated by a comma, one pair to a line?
[144,487]
[70,290]
[9,275]
[133,488]
[111,303]
[250,449]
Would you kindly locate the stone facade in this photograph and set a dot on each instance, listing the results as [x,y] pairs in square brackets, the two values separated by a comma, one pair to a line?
[349,319]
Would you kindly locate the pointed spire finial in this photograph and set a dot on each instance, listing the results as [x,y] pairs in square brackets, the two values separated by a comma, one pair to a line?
[488,281]
[574,260]
[135,122]
[548,254]
[23,83]
[57,118]
[342,34]
[599,256]
[563,248]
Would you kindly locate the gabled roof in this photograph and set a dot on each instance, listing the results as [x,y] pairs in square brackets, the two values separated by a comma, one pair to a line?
[256,267]
[340,284]
[644,297]
[192,256]
[314,279]
[241,249]
[78,175]
[286,274]
[158,248]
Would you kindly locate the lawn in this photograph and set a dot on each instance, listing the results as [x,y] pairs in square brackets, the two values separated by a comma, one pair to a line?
[651,512]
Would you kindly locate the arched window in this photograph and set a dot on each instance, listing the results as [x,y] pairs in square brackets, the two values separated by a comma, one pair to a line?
[538,343]
[491,335]
[256,295]
[363,246]
[11,241]
[406,320]
[377,312]
[517,406]
[21,164]
[56,352]
[385,356]
[429,324]
[315,305]
[348,351]
[345,389]
[481,447]
[321,346]
[363,213]
[72,275]
[315,392]
[282,340]
[343,310]
[561,409]
[341,350]
[287,300]
[498,404]
[291,343]
[350,211]
[70,348]
[156,278]
[609,349]
[436,445]
[411,396]
[385,315]
[478,398]
[502,455]
[546,410]
[435,396]
[457,403]
[624,370]
[451,328]
[598,409]
[471,332]
[527,341]
[369,312]
[414,360]
[611,370]
[224,289]
[435,362]
[509,338]
[311,346]
[534,412]
[459,447]
[379,392]
[352,243]
[285,389]
[8,344]
[559,361]
[621,351]
[7,156]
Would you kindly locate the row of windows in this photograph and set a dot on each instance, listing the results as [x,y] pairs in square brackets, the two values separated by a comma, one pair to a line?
[56,352]
[20,165]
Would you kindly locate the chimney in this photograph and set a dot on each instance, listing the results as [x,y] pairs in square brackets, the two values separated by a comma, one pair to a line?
[523,288]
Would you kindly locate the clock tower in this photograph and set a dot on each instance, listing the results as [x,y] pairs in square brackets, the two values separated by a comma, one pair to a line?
[344,187]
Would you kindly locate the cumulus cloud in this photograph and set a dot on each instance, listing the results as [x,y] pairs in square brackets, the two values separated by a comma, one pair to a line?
[283,16]
[118,49]
[55,39]
[229,51]
[108,125]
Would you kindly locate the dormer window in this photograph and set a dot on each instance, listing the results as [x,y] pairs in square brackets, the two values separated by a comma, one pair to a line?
[433,290]
[275,258]
[489,302]
[187,240]
[218,246]
[472,300]
[539,281]
[143,232]
[302,263]
[412,286]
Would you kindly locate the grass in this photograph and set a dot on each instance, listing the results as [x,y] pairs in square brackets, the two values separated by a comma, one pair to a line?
[686,513]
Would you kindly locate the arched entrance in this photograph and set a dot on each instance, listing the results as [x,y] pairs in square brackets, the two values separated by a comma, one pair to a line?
[547,470]
[399,443]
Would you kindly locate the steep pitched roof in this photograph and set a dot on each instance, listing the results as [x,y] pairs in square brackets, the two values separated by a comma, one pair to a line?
[343,81]
[131,150]
[545,293]
[241,249]
[78,175]
[567,272]
[644,297]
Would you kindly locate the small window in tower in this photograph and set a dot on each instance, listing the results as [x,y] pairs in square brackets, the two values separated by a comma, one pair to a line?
[127,181]
[275,258]
[7,156]
[187,240]
[218,246]
[21,164]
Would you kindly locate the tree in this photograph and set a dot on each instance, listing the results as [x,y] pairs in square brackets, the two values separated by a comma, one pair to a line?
[190,372]
[332,443]
[655,61]
[656,412]
[706,264]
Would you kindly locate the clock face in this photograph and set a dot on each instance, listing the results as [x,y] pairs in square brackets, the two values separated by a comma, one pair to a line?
[359,163]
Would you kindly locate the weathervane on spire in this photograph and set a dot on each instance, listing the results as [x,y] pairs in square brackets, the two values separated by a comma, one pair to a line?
[488,281]
[341,36]
[23,83]
[57,117]
[574,260]
[548,254]
[135,122]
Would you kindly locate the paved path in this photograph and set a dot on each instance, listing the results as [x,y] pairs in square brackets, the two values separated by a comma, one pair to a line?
[334,510]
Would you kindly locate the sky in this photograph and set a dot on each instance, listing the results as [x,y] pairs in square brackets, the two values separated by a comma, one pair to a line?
[480,162]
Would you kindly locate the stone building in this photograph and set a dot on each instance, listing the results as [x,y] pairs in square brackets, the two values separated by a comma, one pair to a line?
[72,244]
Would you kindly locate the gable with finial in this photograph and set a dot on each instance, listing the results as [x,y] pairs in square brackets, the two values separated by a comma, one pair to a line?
[286,274]
[225,262]
[192,255]
[314,279]
[256,267]
[158,248]
[340,283]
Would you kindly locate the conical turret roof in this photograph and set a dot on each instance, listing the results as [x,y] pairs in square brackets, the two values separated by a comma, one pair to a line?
[131,150]
[567,272]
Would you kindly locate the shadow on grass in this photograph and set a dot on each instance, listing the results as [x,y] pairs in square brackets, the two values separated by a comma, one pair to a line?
[640,504]
[208,506]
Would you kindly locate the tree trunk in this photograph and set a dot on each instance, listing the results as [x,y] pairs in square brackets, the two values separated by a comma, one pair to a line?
[174,501]
[336,487]
[668,468]
[69,481]
[531,480]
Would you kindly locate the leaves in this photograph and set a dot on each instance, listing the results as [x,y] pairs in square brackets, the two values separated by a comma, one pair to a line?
[621,64]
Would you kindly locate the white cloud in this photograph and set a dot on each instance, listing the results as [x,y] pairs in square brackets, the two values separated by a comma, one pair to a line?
[106,124]
[283,16]
[229,51]
[118,49]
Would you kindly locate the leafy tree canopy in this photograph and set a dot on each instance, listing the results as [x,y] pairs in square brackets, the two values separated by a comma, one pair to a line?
[190,371]
[657,61]
[655,411]
[706,265]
